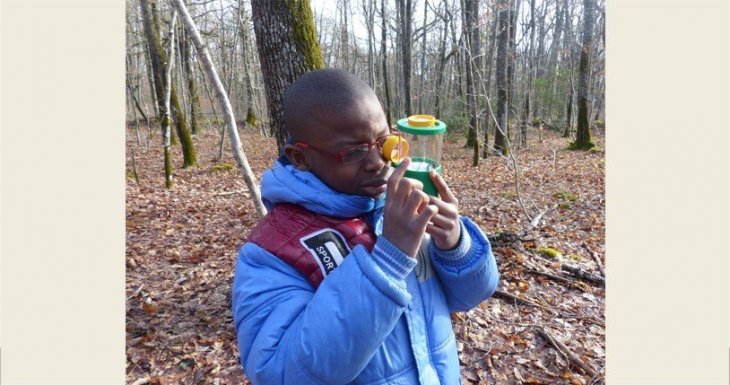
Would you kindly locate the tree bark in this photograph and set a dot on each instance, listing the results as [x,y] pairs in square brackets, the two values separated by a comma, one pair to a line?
[530,69]
[488,80]
[472,55]
[192,89]
[384,54]
[287,46]
[368,7]
[443,59]
[176,113]
[225,104]
[160,80]
[583,134]
[500,135]
[183,132]
[406,12]
[422,65]
[569,110]
[245,47]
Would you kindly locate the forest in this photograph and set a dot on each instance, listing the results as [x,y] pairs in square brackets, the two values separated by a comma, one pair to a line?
[521,87]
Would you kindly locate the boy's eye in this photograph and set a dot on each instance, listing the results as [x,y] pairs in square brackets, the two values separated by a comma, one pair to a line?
[355,154]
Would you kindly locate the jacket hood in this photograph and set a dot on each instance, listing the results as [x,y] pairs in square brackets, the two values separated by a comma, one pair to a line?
[283,183]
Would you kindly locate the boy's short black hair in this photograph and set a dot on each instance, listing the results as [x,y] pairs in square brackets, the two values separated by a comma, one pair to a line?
[328,90]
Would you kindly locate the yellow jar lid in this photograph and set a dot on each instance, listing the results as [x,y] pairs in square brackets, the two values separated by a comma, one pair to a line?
[395,148]
[421,125]
[421,120]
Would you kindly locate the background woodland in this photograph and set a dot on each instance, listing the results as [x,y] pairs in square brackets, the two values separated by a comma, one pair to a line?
[520,84]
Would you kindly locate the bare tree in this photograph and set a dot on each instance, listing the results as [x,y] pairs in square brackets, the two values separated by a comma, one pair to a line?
[500,142]
[238,153]
[583,134]
[368,9]
[487,79]
[159,64]
[471,57]
[184,44]
[443,58]
[247,75]
[405,10]
[529,69]
[384,54]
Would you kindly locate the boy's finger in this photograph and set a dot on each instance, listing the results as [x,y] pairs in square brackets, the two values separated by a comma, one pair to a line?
[396,176]
[447,209]
[443,222]
[425,216]
[442,188]
[415,201]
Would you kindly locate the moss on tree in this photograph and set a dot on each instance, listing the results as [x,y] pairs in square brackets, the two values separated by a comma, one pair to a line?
[305,35]
[251,118]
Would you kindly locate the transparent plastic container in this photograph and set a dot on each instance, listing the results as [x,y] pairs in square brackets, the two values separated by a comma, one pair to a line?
[425,135]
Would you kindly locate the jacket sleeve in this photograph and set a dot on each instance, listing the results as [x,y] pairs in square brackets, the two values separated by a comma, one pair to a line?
[290,334]
[469,272]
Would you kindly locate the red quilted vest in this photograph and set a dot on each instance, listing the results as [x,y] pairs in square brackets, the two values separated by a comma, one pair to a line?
[311,243]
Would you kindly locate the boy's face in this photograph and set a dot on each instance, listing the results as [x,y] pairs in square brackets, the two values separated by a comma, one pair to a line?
[363,122]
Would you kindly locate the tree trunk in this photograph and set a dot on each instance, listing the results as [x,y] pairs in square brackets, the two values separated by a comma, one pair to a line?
[443,59]
[500,135]
[569,111]
[225,104]
[369,10]
[471,34]
[384,54]
[176,113]
[530,69]
[511,55]
[160,80]
[488,80]
[287,45]
[422,65]
[183,132]
[245,45]
[583,134]
[406,12]
[192,89]
[167,91]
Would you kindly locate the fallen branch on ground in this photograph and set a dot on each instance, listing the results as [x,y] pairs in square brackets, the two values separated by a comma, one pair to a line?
[524,301]
[584,275]
[230,192]
[595,257]
[566,352]
[535,221]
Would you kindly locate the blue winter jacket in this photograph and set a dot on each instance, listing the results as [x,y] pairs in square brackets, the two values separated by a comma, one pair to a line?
[378,318]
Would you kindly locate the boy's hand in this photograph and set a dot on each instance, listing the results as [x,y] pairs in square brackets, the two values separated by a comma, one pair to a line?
[407,211]
[444,228]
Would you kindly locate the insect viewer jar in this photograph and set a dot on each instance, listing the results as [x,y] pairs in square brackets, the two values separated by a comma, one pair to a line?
[425,135]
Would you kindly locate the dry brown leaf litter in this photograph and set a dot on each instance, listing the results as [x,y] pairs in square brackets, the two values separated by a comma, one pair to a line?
[182,244]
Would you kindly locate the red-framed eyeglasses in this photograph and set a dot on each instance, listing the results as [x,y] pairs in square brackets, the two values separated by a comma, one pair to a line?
[352,154]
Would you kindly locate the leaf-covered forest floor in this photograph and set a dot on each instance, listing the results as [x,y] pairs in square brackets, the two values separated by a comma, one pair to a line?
[182,245]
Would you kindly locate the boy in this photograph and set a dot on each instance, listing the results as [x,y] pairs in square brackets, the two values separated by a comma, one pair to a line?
[353,274]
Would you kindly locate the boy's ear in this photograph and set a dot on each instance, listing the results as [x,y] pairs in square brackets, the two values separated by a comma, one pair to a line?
[297,158]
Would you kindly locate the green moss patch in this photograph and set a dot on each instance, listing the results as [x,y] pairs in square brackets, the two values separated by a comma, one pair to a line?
[549,252]
[222,167]
[565,195]
[575,257]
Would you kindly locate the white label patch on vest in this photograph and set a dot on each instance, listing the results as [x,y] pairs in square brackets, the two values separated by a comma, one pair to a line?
[328,247]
